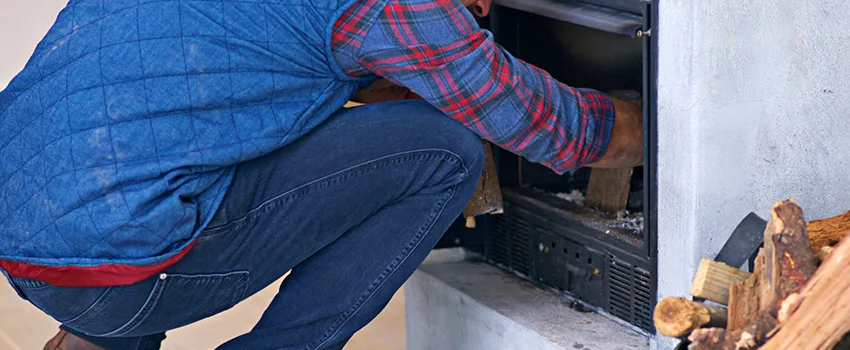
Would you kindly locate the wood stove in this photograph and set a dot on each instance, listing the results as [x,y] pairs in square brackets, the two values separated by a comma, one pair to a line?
[544,235]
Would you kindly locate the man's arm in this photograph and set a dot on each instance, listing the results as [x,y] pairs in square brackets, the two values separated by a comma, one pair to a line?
[435,48]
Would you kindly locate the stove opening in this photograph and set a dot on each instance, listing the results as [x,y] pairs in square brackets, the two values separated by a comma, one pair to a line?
[606,260]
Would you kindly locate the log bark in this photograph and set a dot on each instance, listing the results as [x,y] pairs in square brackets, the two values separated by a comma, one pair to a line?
[822,316]
[829,231]
[789,258]
[788,263]
[756,332]
[714,279]
[676,317]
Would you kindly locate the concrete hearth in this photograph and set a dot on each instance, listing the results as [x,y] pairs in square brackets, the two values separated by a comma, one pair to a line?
[456,304]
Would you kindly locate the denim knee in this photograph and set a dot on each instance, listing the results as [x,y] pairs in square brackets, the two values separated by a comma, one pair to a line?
[414,124]
[471,149]
[446,133]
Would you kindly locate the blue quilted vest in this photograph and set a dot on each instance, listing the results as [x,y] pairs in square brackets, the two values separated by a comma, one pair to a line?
[120,137]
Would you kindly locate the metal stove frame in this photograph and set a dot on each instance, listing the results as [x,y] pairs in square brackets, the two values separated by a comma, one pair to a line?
[541,238]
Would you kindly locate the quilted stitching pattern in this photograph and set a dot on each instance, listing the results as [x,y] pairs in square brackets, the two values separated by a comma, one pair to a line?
[119,137]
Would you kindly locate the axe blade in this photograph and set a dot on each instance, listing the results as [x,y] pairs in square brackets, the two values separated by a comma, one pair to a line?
[744,242]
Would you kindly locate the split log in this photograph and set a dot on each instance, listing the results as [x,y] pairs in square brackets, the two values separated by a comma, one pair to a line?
[789,262]
[789,258]
[676,317]
[744,298]
[743,310]
[783,267]
[822,315]
[829,231]
[608,189]
[714,279]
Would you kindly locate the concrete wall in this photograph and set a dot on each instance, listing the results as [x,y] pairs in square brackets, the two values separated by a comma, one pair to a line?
[753,101]
[22,25]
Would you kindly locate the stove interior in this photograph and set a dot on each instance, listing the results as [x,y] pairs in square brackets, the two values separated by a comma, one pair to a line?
[604,260]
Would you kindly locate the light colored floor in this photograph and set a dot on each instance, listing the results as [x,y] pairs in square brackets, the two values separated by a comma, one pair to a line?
[23,327]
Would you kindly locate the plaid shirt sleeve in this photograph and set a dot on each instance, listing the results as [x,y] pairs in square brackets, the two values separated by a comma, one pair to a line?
[435,48]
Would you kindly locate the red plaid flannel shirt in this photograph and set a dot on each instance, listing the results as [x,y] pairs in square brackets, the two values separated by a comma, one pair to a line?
[435,48]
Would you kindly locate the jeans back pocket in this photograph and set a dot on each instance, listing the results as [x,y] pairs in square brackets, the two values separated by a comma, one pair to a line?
[177,300]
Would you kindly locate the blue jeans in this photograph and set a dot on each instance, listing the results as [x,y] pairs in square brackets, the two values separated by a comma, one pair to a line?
[352,209]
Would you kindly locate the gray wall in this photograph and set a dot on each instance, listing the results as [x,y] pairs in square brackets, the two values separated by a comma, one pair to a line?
[753,100]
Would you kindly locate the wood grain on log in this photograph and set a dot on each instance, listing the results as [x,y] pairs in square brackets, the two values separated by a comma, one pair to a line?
[676,317]
[714,279]
[608,189]
[784,266]
[784,303]
[744,298]
[829,231]
[822,316]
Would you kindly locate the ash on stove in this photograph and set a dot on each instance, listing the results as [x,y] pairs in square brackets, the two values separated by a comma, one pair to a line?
[575,197]
[625,220]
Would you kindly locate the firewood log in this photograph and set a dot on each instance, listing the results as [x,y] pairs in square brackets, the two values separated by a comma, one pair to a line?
[744,298]
[828,231]
[713,280]
[755,333]
[822,314]
[783,267]
[676,317]
[789,258]
[608,189]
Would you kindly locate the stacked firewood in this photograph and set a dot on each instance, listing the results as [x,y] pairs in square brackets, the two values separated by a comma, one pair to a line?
[797,297]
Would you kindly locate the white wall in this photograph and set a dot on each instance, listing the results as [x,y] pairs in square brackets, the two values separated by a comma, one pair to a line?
[22,25]
[753,101]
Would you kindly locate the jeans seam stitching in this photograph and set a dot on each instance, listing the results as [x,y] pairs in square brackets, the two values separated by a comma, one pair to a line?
[330,179]
[388,271]
[156,294]
[153,297]
[31,286]
[95,306]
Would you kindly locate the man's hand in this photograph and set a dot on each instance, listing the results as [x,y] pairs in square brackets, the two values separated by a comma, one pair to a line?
[625,147]
[383,90]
